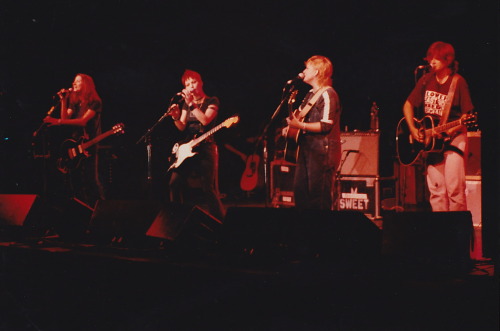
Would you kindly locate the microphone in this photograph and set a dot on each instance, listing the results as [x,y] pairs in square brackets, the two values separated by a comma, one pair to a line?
[297,78]
[62,92]
[422,67]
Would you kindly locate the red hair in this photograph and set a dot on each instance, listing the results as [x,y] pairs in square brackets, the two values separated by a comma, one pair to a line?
[190,74]
[443,52]
[88,91]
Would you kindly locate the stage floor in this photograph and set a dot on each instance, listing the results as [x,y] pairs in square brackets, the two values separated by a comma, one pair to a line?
[54,282]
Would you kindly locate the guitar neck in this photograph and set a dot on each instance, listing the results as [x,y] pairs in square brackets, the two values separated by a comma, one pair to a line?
[97,139]
[204,136]
[447,126]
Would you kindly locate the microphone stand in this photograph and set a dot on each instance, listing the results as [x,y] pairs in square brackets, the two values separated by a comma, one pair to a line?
[146,137]
[263,137]
[45,152]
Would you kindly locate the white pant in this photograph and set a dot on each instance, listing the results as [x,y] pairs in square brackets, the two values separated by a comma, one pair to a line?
[446,180]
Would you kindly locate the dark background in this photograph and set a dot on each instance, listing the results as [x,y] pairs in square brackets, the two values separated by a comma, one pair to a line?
[136,51]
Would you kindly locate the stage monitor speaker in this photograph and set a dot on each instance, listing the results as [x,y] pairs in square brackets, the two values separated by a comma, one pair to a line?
[429,241]
[25,214]
[360,153]
[18,209]
[123,219]
[177,222]
[286,234]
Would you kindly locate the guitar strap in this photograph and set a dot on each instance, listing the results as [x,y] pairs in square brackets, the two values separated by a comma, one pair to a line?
[449,100]
[312,101]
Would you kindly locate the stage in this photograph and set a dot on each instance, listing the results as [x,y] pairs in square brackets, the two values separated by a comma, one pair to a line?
[259,269]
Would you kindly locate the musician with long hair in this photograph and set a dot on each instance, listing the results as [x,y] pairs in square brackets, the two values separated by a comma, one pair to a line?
[196,114]
[443,95]
[319,142]
[80,113]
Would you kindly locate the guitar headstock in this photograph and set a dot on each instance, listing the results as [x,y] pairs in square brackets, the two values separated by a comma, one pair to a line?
[293,96]
[230,121]
[119,128]
[470,121]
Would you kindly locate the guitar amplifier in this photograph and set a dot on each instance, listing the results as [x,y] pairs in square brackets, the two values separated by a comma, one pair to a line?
[360,153]
[282,177]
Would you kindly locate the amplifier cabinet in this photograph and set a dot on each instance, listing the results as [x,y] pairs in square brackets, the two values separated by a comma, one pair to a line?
[360,153]
[473,166]
[360,194]
[474,203]
[282,178]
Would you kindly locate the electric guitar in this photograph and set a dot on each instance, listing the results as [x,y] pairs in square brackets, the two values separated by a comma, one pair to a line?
[183,151]
[291,151]
[73,151]
[408,149]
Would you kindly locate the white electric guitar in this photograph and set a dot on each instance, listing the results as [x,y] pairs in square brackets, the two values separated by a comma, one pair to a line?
[184,151]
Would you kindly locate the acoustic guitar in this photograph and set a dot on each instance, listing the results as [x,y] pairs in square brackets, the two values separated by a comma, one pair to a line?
[408,149]
[291,150]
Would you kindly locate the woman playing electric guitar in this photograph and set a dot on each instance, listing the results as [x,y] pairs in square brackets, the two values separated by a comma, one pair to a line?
[81,111]
[196,115]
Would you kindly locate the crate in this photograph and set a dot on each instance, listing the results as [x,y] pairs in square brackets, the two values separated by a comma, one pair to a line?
[360,194]
[282,176]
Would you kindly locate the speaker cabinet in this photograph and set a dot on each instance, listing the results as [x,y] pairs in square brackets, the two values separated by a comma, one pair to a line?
[180,223]
[360,153]
[474,203]
[429,241]
[287,234]
[122,219]
[473,166]
[17,209]
[135,222]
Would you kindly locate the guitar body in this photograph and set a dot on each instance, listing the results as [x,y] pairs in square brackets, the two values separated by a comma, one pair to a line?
[71,155]
[181,153]
[73,151]
[408,149]
[250,176]
[291,151]
[184,151]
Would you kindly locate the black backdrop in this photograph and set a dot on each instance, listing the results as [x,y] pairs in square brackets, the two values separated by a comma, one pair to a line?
[136,52]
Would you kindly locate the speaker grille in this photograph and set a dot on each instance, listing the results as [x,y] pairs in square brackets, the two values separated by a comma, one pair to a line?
[360,153]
